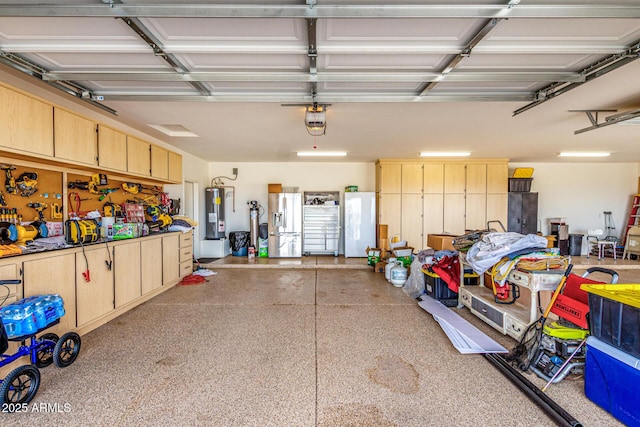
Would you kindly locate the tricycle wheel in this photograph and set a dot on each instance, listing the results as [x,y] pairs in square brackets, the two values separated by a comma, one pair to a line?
[66,350]
[45,356]
[20,386]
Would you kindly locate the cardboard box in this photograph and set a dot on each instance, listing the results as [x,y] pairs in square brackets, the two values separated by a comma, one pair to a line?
[441,242]
[379,267]
[373,256]
[275,188]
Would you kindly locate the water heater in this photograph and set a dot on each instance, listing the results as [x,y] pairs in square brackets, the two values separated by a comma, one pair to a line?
[214,200]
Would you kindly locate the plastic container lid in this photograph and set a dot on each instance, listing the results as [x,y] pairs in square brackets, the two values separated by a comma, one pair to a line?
[628,294]
[523,172]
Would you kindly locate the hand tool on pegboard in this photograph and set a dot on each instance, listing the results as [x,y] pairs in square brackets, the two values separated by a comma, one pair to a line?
[10,182]
[39,208]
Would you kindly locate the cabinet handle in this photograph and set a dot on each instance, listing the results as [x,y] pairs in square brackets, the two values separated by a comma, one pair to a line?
[483,310]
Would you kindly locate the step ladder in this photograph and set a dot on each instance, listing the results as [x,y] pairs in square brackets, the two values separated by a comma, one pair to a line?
[634,216]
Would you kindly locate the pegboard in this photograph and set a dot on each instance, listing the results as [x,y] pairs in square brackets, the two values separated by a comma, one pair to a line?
[113,188]
[49,191]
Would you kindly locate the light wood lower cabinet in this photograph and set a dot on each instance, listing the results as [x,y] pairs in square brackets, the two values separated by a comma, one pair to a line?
[186,254]
[95,297]
[51,276]
[170,258]
[127,272]
[151,272]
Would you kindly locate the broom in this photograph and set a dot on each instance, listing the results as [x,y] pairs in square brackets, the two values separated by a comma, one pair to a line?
[529,342]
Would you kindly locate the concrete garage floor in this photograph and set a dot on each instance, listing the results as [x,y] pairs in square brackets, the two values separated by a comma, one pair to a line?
[320,341]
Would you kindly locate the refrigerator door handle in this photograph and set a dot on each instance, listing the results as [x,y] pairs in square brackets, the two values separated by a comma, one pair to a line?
[284,206]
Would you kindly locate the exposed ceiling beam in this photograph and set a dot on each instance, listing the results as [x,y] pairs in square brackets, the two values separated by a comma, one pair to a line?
[443,10]
[242,76]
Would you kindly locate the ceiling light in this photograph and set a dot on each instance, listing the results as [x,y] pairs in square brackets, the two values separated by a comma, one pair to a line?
[315,119]
[584,154]
[445,154]
[322,153]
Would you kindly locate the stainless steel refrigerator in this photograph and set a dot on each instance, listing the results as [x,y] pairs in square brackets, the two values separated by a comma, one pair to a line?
[359,223]
[285,225]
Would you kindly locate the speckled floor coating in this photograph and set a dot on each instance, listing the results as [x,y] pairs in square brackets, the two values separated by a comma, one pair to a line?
[288,347]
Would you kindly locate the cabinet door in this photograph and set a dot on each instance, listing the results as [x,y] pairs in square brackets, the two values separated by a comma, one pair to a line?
[159,162]
[389,213]
[138,156]
[170,258]
[412,179]
[175,167]
[126,270]
[497,178]
[411,227]
[54,275]
[96,297]
[26,123]
[454,178]
[433,178]
[454,211]
[11,293]
[476,212]
[112,148]
[74,137]
[476,179]
[389,178]
[433,212]
[151,252]
[529,213]
[497,210]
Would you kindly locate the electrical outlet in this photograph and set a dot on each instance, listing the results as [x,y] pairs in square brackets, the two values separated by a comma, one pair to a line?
[235,171]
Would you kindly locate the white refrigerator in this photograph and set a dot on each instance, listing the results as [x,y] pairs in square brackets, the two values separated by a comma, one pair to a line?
[359,223]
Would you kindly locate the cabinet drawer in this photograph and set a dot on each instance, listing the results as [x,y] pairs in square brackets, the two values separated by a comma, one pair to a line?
[513,327]
[186,268]
[535,281]
[186,254]
[186,239]
[487,311]
[464,297]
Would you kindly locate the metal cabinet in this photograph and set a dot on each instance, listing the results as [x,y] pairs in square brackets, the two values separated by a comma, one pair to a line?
[321,229]
[523,212]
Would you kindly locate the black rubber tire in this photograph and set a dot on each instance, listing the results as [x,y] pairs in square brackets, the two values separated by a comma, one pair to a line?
[66,350]
[20,386]
[45,357]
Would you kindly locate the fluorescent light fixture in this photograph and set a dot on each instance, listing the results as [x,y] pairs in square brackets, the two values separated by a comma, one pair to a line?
[584,154]
[322,153]
[445,154]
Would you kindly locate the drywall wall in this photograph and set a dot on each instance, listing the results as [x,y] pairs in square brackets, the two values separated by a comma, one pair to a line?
[580,193]
[251,183]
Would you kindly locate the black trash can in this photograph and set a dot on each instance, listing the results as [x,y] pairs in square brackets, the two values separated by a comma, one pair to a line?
[239,242]
[575,244]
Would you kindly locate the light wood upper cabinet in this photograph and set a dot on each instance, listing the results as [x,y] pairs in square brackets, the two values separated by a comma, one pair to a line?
[112,148]
[433,178]
[476,178]
[389,178]
[454,178]
[497,178]
[26,123]
[159,162]
[175,167]
[138,156]
[412,179]
[74,137]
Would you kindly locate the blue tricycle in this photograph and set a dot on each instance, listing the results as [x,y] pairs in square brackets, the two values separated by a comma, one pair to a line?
[20,386]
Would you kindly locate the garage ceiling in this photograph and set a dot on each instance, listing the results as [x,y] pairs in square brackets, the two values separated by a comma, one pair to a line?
[508,79]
